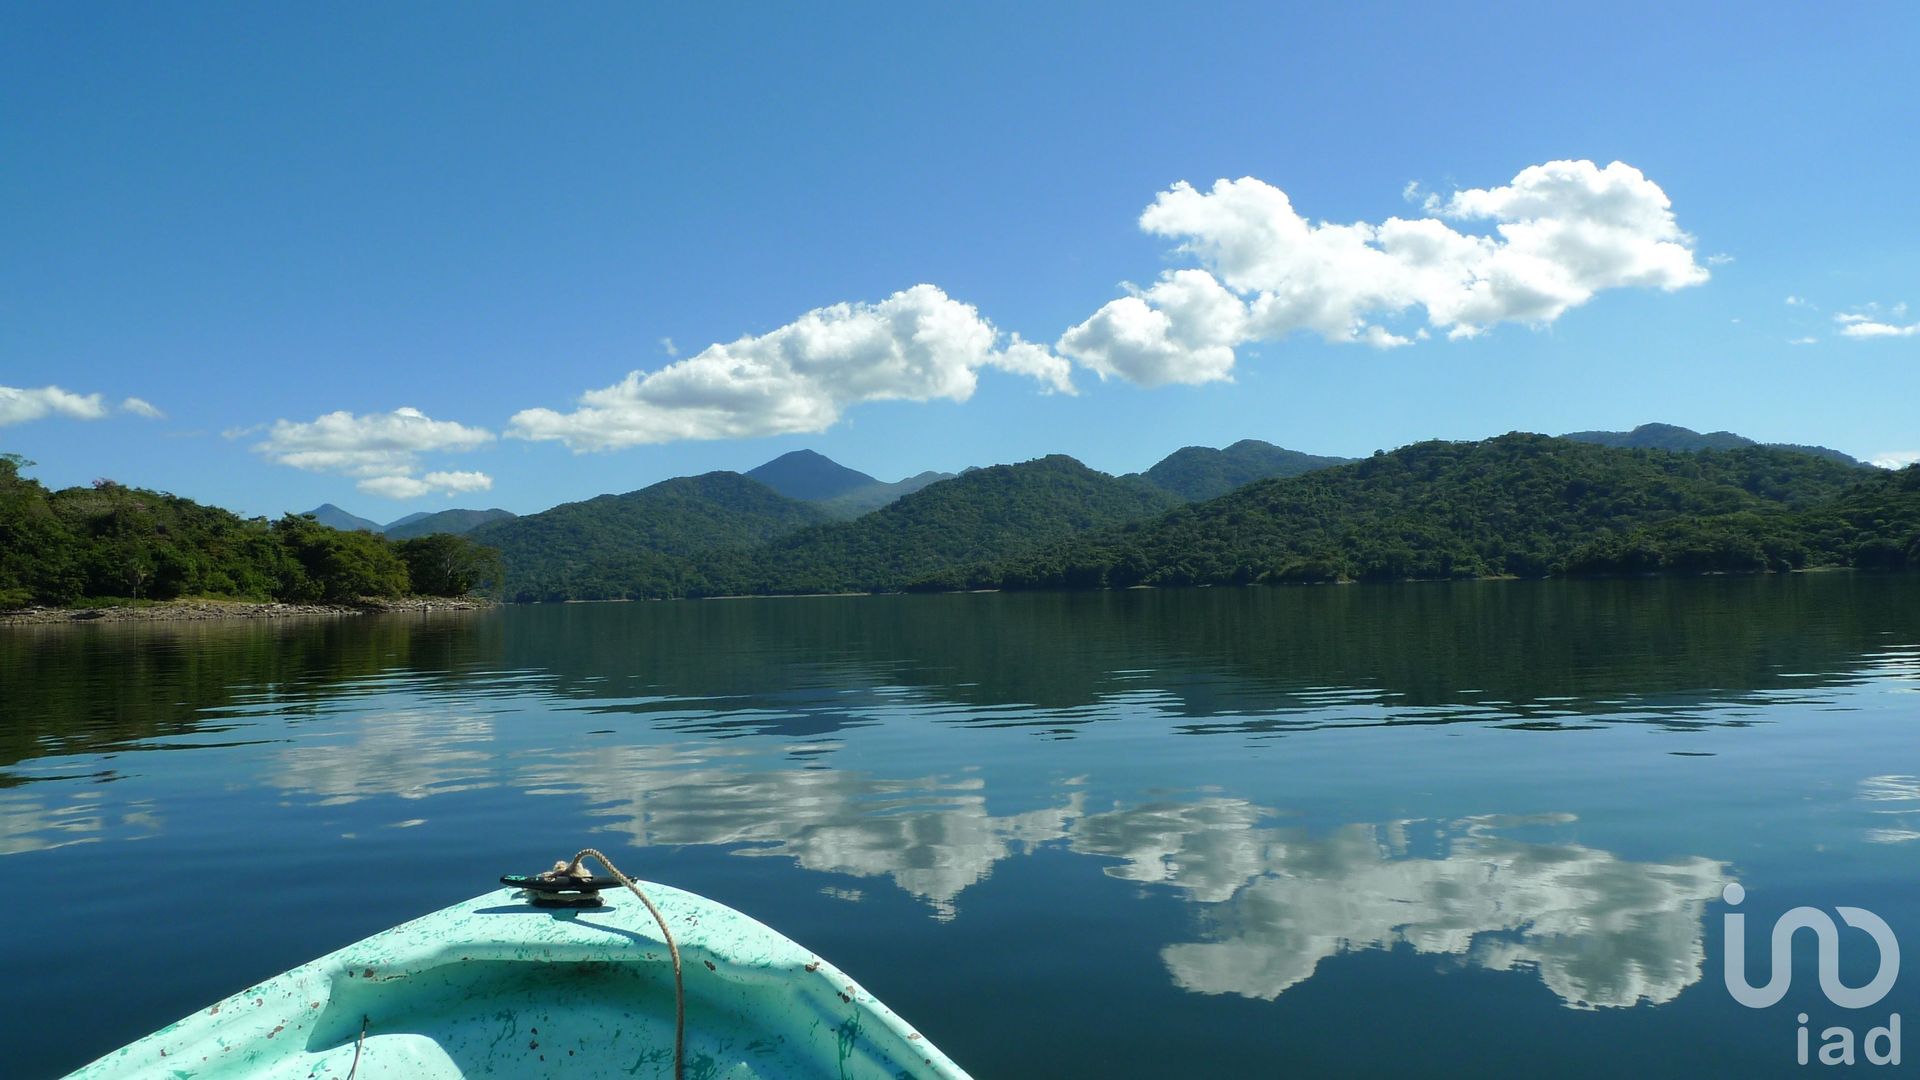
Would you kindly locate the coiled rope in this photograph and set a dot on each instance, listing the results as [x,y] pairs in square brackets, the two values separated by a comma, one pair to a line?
[574,869]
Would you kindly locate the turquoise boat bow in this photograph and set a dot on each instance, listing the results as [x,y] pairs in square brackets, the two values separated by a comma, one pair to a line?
[496,986]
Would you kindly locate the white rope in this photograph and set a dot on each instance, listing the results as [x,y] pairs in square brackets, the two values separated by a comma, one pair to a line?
[679,988]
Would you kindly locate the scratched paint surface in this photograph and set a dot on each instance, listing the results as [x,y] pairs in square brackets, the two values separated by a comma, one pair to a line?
[496,987]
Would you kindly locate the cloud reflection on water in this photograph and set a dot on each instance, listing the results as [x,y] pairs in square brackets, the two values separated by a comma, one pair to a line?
[1600,930]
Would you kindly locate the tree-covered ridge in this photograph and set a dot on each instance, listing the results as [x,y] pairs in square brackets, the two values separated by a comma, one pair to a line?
[1680,439]
[453,522]
[113,541]
[1519,504]
[647,543]
[980,515]
[1874,525]
[1198,473]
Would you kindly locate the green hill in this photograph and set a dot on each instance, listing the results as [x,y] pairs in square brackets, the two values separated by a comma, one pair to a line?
[1518,504]
[1198,473]
[641,544]
[1679,439]
[446,521]
[980,516]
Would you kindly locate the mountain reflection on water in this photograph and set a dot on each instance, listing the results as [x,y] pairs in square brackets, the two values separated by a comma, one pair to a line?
[1265,815]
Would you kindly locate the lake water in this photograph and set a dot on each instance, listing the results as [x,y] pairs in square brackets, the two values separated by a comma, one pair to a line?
[1448,829]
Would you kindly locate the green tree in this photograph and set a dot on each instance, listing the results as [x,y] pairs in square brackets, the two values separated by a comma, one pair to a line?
[444,564]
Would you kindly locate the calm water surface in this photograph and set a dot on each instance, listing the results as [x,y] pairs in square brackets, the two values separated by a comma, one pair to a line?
[1432,829]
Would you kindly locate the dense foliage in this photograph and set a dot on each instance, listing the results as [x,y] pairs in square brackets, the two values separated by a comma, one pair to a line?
[1519,504]
[648,543]
[113,541]
[980,515]
[1197,473]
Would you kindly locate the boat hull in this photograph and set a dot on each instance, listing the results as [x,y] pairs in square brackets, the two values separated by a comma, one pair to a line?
[495,986]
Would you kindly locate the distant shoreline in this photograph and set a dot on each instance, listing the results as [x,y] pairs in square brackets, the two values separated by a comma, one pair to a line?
[212,610]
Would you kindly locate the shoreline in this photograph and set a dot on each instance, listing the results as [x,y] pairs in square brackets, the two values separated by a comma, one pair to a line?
[212,610]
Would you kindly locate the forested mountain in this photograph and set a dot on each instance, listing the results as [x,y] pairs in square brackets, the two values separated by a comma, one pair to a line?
[1679,439]
[978,516]
[640,544]
[809,476]
[335,518]
[1198,473]
[1518,504]
[453,522]
[112,541]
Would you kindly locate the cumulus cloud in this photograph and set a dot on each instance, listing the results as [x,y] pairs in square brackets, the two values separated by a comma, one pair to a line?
[142,407]
[916,345]
[381,449]
[1182,330]
[1562,232]
[1896,459]
[17,406]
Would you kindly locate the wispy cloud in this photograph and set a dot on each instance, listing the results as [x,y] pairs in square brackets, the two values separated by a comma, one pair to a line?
[1870,321]
[142,407]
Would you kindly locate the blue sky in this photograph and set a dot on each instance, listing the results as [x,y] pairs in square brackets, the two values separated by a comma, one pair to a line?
[253,215]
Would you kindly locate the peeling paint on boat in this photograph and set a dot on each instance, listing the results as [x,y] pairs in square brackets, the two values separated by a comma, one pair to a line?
[496,987]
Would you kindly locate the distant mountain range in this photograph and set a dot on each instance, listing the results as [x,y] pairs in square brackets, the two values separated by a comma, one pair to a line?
[1673,437]
[1658,498]
[802,522]
[422,524]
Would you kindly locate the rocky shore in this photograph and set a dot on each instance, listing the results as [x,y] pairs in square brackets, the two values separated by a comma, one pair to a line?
[200,610]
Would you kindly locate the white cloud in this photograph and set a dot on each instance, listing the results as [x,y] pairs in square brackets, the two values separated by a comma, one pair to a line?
[1561,233]
[1896,459]
[1182,330]
[1719,259]
[142,407]
[376,444]
[1804,341]
[916,345]
[400,486]
[396,486]
[1856,325]
[17,406]
[454,482]
[381,449]
[667,346]
[1796,301]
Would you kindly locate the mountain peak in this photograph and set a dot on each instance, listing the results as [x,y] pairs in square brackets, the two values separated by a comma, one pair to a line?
[809,476]
[335,518]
